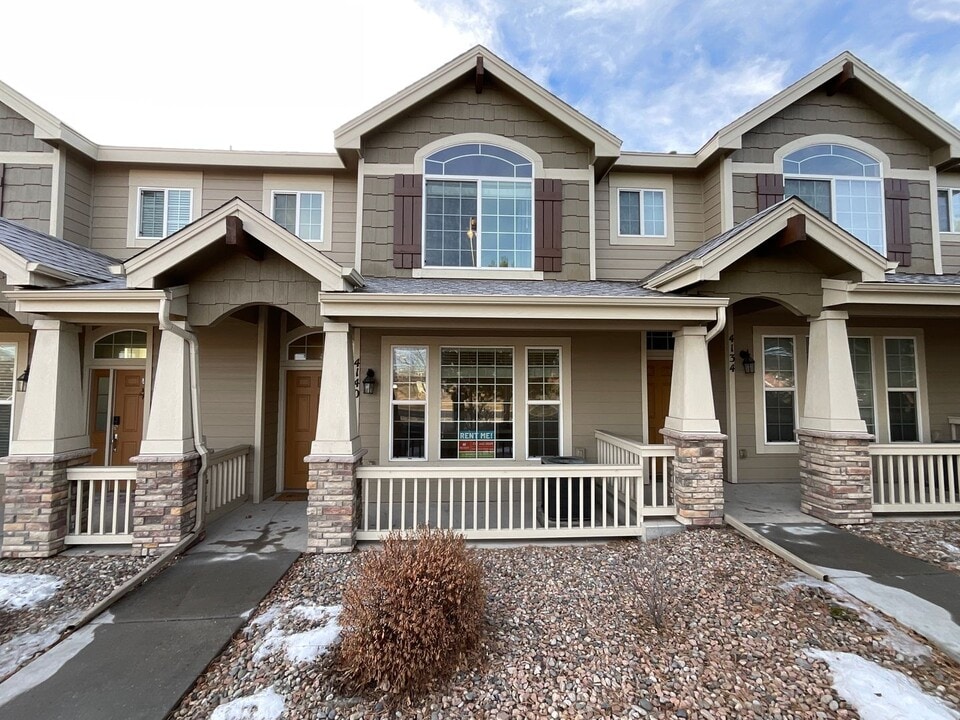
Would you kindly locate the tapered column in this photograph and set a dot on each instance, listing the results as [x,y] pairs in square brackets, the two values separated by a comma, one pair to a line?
[332,503]
[170,425]
[835,471]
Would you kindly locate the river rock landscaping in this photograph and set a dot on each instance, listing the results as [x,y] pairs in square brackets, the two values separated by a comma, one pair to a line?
[934,541]
[569,635]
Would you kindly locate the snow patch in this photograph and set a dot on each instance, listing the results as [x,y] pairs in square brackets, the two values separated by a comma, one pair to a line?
[264,705]
[878,693]
[19,591]
[300,647]
[952,549]
[45,666]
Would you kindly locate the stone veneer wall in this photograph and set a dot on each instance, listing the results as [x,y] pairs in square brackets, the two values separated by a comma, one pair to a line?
[36,499]
[332,504]
[164,501]
[836,477]
[697,477]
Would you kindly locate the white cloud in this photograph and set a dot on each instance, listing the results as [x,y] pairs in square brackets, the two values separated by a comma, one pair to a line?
[936,10]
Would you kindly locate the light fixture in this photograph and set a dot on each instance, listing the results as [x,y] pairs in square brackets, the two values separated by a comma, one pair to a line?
[369,382]
[749,364]
[22,380]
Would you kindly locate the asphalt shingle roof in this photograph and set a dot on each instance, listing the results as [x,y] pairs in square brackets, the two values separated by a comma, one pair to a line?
[62,255]
[530,288]
[921,279]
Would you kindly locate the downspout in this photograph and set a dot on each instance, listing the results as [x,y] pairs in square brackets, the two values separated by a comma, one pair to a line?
[191,340]
[721,324]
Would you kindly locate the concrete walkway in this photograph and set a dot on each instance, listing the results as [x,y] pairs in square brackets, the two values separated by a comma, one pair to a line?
[137,660]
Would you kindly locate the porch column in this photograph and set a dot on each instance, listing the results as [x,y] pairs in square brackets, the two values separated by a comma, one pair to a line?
[693,429]
[50,439]
[165,496]
[835,472]
[332,501]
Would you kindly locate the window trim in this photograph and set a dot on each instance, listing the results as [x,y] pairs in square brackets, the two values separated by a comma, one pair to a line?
[953,199]
[630,182]
[298,194]
[387,452]
[528,402]
[640,192]
[323,184]
[433,345]
[795,389]
[916,389]
[139,180]
[166,210]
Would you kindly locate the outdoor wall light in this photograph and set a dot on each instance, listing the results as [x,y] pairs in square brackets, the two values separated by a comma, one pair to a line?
[22,380]
[749,364]
[370,382]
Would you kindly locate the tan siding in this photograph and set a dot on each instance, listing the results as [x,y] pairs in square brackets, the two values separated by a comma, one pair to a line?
[744,197]
[576,232]
[712,202]
[841,114]
[461,110]
[16,133]
[78,199]
[921,229]
[632,262]
[220,186]
[378,228]
[788,277]
[943,375]
[368,415]
[344,240]
[111,196]
[26,195]
[271,402]
[228,376]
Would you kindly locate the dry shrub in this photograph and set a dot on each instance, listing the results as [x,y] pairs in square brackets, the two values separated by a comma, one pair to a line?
[412,614]
[654,589]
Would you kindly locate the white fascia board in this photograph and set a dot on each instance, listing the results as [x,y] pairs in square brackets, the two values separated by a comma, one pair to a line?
[844,293]
[70,302]
[655,161]
[224,158]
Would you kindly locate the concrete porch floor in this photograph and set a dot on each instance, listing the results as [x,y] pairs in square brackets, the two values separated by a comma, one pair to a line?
[753,503]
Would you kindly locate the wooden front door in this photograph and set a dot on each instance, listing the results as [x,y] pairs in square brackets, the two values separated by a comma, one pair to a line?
[659,373]
[300,428]
[116,415]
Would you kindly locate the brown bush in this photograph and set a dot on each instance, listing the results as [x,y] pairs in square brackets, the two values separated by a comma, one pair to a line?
[412,614]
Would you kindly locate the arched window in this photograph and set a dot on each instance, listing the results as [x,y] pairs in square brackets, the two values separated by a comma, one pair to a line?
[842,183]
[306,347]
[123,345]
[479,208]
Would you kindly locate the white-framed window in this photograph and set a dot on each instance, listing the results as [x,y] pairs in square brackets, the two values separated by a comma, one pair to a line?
[861,358]
[779,389]
[842,183]
[948,209]
[306,348]
[121,345]
[478,208]
[300,212]
[544,416]
[476,403]
[163,211]
[903,388]
[8,384]
[642,212]
[408,403]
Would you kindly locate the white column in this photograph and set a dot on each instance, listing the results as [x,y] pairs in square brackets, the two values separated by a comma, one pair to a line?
[691,391]
[337,433]
[170,425]
[830,404]
[53,408]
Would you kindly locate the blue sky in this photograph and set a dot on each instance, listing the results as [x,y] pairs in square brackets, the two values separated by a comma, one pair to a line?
[660,74]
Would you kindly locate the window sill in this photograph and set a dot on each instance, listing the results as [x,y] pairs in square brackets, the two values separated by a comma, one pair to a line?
[642,240]
[778,449]
[950,236]
[477,274]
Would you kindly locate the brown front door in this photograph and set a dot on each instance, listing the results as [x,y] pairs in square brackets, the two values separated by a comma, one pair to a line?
[659,373]
[303,403]
[116,429]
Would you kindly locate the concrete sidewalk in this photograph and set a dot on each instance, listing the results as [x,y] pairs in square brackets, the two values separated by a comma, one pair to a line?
[137,660]
[917,594]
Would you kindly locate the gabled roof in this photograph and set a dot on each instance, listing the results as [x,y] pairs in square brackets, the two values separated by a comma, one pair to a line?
[46,125]
[347,136]
[715,255]
[143,269]
[32,258]
[730,136]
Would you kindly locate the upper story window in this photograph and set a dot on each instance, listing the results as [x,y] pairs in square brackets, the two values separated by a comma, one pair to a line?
[300,212]
[163,211]
[478,209]
[842,183]
[642,213]
[948,209]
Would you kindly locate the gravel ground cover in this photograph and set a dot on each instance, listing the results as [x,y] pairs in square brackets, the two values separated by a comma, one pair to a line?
[568,637]
[935,541]
[43,596]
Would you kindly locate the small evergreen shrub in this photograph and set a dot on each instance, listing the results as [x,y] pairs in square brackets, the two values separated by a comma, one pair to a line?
[412,614]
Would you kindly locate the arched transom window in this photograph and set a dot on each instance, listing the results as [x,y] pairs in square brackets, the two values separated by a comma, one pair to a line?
[123,345]
[842,183]
[306,347]
[479,208]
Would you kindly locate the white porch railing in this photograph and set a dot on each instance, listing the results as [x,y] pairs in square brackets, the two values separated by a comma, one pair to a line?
[655,461]
[226,482]
[536,501]
[100,508]
[915,478]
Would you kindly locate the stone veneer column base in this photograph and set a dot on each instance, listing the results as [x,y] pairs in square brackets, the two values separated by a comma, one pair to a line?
[333,507]
[164,501]
[35,503]
[836,477]
[697,477]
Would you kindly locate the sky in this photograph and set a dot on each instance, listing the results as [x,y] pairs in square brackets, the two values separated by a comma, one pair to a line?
[662,75]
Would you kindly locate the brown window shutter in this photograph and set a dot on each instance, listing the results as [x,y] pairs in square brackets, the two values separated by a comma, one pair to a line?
[548,225]
[769,190]
[1,189]
[407,220]
[896,197]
